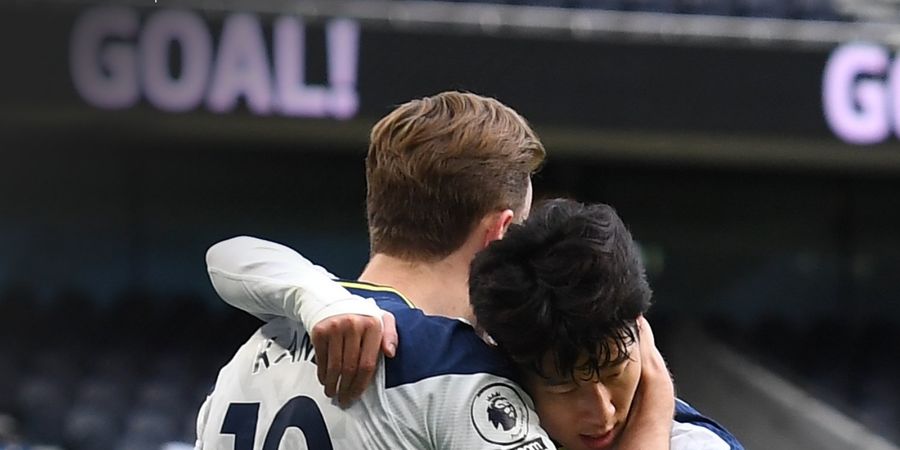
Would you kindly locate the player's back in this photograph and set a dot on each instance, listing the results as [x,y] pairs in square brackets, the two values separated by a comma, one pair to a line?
[444,389]
[270,391]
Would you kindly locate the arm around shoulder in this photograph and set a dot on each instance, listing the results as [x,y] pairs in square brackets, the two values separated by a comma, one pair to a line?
[270,280]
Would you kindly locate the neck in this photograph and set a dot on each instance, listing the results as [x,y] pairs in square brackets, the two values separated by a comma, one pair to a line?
[438,288]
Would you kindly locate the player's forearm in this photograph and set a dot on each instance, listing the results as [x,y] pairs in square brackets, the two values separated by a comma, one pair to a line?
[650,424]
[254,275]
[268,280]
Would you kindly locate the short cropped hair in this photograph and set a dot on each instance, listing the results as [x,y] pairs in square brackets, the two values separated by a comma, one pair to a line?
[437,165]
[569,282]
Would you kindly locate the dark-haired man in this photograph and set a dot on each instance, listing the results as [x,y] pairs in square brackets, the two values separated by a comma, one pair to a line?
[563,295]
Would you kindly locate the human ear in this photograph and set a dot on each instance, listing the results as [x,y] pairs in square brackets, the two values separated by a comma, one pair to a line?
[497,225]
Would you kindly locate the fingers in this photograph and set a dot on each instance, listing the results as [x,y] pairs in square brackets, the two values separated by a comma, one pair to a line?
[347,350]
[333,365]
[320,340]
[389,338]
[654,373]
[355,382]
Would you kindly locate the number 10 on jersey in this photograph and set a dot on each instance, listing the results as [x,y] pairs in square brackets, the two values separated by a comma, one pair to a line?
[300,412]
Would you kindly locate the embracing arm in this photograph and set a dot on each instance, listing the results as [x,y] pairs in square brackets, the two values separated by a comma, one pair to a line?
[650,420]
[270,280]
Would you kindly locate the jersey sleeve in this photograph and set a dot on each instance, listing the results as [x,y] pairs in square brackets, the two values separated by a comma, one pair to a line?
[270,280]
[693,431]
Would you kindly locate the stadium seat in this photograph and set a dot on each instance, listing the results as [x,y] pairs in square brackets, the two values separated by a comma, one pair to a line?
[89,428]
[174,369]
[61,364]
[9,428]
[146,426]
[103,394]
[706,7]
[132,443]
[177,446]
[761,8]
[598,4]
[547,3]
[813,10]
[16,303]
[119,367]
[42,401]
[9,380]
[663,6]
[161,396]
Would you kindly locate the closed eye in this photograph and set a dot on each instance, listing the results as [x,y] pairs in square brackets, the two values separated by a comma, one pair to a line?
[619,370]
[613,376]
[561,388]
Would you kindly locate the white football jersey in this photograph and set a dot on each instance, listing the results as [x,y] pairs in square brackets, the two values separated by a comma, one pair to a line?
[444,389]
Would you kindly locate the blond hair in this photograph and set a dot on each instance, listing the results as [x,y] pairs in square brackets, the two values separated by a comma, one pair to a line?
[439,164]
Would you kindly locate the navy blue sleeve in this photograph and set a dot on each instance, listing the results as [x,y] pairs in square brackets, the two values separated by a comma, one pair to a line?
[684,413]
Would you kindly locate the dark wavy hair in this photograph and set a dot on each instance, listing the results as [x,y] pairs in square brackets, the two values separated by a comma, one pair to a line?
[569,282]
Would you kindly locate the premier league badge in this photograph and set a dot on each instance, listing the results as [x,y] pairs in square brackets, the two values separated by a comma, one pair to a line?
[499,414]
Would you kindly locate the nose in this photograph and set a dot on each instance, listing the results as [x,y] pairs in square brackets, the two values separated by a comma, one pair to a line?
[598,406]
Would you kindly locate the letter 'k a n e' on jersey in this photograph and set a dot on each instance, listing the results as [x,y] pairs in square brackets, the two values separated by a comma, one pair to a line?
[444,389]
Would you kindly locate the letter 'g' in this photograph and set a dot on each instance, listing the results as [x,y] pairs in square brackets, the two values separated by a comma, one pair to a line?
[856,108]
[105,73]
